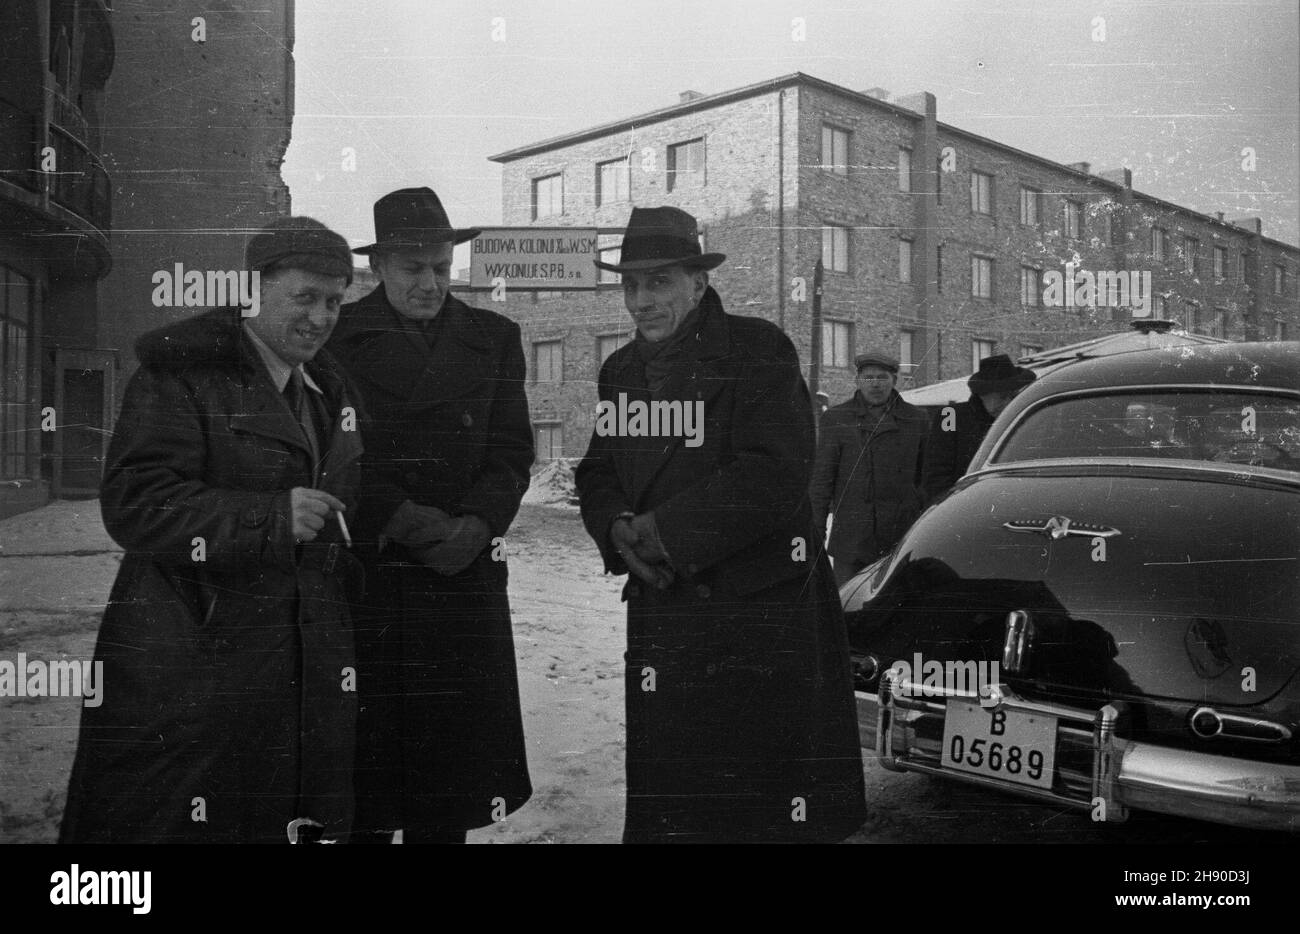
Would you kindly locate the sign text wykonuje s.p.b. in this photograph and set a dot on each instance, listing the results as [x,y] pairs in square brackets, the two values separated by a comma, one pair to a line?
[534,258]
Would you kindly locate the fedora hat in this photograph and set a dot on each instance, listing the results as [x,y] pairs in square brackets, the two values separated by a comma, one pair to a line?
[658,237]
[999,374]
[412,218]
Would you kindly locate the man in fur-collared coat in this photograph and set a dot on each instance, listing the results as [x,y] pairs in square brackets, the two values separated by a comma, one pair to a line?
[740,713]
[229,703]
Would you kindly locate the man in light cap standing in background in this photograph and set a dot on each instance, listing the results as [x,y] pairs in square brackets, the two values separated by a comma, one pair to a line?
[226,644]
[868,470]
[449,445]
[741,723]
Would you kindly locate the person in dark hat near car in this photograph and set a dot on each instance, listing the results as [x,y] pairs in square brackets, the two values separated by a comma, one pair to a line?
[226,643]
[868,469]
[741,723]
[960,427]
[449,447]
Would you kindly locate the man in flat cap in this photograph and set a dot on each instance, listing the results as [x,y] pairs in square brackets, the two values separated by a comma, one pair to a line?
[739,698]
[960,427]
[448,449]
[868,470]
[228,714]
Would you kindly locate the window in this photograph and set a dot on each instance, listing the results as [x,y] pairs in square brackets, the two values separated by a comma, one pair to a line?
[837,343]
[1279,280]
[1030,199]
[686,164]
[938,268]
[1191,317]
[1190,248]
[981,277]
[548,196]
[906,356]
[1220,260]
[612,181]
[606,344]
[1220,326]
[550,441]
[1279,330]
[904,169]
[17,445]
[1107,228]
[1073,220]
[835,149]
[979,349]
[609,247]
[1157,243]
[904,260]
[1030,350]
[835,248]
[981,193]
[1029,292]
[938,181]
[548,361]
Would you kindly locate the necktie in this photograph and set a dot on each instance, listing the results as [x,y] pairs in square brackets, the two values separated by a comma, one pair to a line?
[295,393]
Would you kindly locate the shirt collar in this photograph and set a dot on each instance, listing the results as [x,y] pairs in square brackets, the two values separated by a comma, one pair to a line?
[276,368]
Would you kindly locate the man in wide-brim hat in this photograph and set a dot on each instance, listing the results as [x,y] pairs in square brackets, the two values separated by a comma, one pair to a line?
[449,447]
[959,429]
[739,699]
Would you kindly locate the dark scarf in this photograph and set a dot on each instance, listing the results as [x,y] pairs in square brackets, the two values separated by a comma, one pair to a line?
[659,357]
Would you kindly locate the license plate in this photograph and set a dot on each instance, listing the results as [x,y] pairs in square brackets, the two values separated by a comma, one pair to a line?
[1010,745]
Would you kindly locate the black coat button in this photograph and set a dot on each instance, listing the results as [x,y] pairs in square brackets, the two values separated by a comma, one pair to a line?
[711,668]
[467,420]
[703,592]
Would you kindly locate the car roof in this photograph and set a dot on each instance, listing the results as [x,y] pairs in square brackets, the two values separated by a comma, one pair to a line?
[1274,364]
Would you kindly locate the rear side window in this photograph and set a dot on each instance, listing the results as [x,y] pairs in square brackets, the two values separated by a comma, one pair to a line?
[1204,425]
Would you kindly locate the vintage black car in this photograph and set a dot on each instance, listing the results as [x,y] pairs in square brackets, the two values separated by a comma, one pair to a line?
[1104,613]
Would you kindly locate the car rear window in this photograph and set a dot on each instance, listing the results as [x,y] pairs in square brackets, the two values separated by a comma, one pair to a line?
[1205,425]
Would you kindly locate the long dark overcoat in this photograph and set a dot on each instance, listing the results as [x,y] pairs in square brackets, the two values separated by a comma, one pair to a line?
[955,436]
[868,474]
[740,712]
[441,732]
[229,704]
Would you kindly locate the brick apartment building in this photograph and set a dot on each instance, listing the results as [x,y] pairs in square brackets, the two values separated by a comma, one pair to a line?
[118,159]
[934,240]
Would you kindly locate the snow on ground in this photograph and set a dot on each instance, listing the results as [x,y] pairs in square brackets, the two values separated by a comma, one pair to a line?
[57,565]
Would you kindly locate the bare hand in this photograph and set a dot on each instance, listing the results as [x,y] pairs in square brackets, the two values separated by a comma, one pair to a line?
[625,538]
[415,525]
[310,509]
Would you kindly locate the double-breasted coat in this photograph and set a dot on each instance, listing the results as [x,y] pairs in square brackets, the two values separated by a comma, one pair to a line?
[868,474]
[228,705]
[441,732]
[740,713]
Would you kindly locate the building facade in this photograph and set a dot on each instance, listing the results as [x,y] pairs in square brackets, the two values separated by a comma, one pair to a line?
[934,242]
[131,140]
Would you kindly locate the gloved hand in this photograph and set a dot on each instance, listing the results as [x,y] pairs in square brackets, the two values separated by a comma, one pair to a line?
[644,556]
[467,537]
[416,526]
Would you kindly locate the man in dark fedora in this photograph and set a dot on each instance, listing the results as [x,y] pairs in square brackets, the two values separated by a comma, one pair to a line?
[229,716]
[960,427]
[868,470]
[449,447]
[739,698]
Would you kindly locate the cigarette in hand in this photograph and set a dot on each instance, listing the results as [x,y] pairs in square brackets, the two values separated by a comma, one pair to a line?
[343,527]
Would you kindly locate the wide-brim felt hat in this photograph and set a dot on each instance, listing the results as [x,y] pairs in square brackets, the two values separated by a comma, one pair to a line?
[999,374]
[659,237]
[411,219]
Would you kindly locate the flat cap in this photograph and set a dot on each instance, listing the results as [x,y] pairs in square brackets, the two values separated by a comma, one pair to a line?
[876,358]
[299,243]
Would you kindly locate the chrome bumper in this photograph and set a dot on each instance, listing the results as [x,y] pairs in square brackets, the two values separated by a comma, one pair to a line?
[1096,770]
